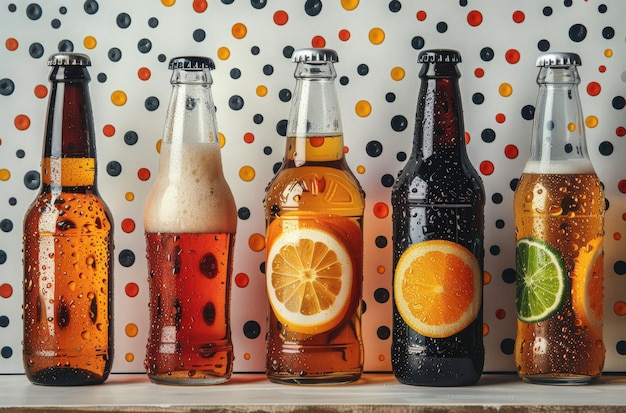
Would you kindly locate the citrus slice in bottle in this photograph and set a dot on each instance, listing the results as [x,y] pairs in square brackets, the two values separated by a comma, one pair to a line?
[309,278]
[541,280]
[438,287]
[587,288]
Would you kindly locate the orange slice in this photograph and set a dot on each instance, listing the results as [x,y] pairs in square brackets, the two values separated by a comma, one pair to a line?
[587,287]
[309,278]
[438,287]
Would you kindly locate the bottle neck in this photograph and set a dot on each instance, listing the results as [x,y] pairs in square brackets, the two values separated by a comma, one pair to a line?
[439,129]
[69,154]
[314,130]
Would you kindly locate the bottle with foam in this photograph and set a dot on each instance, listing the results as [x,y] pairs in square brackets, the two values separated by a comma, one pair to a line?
[190,220]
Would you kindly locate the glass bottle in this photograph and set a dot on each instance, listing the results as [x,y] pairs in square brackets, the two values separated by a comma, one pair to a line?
[190,220]
[559,228]
[314,214]
[438,224]
[68,244]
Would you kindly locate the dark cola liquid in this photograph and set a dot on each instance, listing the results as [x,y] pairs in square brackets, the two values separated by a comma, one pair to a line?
[417,359]
[189,340]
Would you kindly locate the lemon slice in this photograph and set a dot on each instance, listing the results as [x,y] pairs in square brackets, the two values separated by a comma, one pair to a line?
[438,287]
[309,278]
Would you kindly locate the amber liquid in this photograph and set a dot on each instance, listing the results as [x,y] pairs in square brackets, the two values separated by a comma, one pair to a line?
[322,193]
[566,211]
[189,340]
[68,244]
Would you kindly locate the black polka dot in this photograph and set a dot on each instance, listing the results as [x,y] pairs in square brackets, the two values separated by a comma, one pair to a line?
[620,347]
[606,148]
[126,258]
[268,70]
[131,137]
[7,87]
[66,46]
[267,150]
[509,275]
[395,6]
[497,198]
[257,118]
[513,183]
[32,179]
[3,257]
[235,102]
[381,295]
[418,42]
[577,32]
[20,153]
[288,51]
[608,33]
[102,77]
[602,8]
[374,149]
[387,180]
[381,241]
[507,346]
[63,10]
[344,80]
[152,103]
[478,98]
[401,156]
[488,135]
[6,225]
[235,73]
[462,3]
[243,213]
[144,45]
[3,254]
[33,11]
[55,23]
[619,267]
[36,50]
[528,112]
[12,8]
[114,168]
[383,332]
[255,50]
[228,1]
[123,20]
[390,97]
[487,54]
[258,4]
[547,11]
[499,223]
[543,45]
[313,7]
[494,250]
[442,27]
[277,166]
[199,35]
[4,321]
[399,123]
[363,69]
[114,54]
[567,3]
[251,329]
[162,58]
[91,6]
[281,127]
[618,102]
[284,95]
[153,22]
[6,352]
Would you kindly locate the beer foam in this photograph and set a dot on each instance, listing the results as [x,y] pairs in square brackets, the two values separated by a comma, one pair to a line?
[190,193]
[571,166]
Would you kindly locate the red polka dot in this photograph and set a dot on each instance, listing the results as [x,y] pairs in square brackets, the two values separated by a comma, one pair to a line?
[593,88]
[143,174]
[474,18]
[421,15]
[248,137]
[128,225]
[11,44]
[318,41]
[624,217]
[512,56]
[108,130]
[6,290]
[621,185]
[381,210]
[617,236]
[199,6]
[344,35]
[467,138]
[500,118]
[41,91]
[242,280]
[131,289]
[144,73]
[620,131]
[316,141]
[21,122]
[602,69]
[486,167]
[500,313]
[518,16]
[281,18]
[479,72]
[511,151]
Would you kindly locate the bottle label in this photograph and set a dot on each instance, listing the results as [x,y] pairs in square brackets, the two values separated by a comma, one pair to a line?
[438,288]
[314,271]
[69,171]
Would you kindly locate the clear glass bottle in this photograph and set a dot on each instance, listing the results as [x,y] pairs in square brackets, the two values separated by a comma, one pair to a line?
[559,227]
[438,223]
[314,214]
[190,220]
[68,244]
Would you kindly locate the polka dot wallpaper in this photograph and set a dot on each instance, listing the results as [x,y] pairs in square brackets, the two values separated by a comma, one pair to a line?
[378,42]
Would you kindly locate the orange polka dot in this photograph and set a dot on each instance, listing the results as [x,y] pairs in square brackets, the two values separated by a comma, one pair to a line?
[281,18]
[239,30]
[131,289]
[363,108]
[381,210]
[486,277]
[376,35]
[128,225]
[199,6]
[108,130]
[6,290]
[381,357]
[119,98]
[223,53]
[380,269]
[512,56]
[485,329]
[593,88]
[41,91]
[318,41]
[500,118]
[144,73]
[131,329]
[247,173]
[11,44]
[246,356]
[129,357]
[248,137]
[129,196]
[344,35]
[256,242]
[168,3]
[5,174]
[21,122]
[619,308]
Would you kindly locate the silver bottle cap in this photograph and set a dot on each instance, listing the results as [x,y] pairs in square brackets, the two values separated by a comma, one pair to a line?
[439,56]
[312,55]
[558,59]
[69,59]
[192,63]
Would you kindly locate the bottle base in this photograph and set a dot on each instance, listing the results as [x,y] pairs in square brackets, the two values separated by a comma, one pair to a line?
[438,372]
[322,379]
[53,376]
[186,378]
[558,379]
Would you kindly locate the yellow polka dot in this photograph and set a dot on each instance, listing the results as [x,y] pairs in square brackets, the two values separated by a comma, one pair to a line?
[349,4]
[360,169]
[90,42]
[222,139]
[608,53]
[129,357]
[363,108]
[261,90]
[119,98]
[5,174]
[223,53]
[486,277]
[129,196]
[131,329]
[158,145]
[247,173]
[571,127]
[256,242]
[397,73]
[377,35]
[168,3]
[239,30]
[505,90]
[591,121]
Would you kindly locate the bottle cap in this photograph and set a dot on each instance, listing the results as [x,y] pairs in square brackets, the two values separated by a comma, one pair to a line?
[313,55]
[439,56]
[192,63]
[558,59]
[69,59]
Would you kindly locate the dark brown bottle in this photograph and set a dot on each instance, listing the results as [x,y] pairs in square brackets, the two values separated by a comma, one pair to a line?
[438,224]
[68,244]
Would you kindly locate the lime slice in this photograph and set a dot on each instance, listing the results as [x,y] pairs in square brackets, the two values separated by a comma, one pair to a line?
[541,280]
